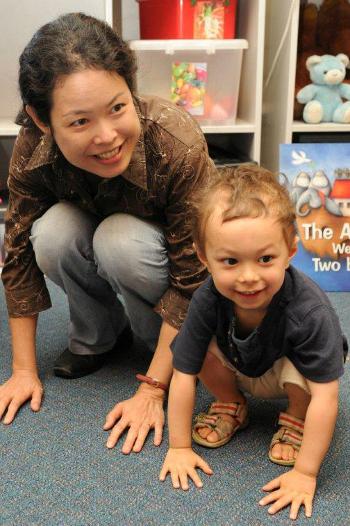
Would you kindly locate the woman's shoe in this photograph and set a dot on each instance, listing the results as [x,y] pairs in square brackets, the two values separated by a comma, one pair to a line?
[72,366]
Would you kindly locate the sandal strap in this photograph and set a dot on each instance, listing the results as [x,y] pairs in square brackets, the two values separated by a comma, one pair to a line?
[221,426]
[234,409]
[291,422]
[290,432]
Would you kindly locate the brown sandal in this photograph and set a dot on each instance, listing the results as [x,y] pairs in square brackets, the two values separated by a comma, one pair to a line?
[290,432]
[224,428]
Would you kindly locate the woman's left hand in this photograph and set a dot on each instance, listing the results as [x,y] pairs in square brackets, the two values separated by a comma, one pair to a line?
[141,413]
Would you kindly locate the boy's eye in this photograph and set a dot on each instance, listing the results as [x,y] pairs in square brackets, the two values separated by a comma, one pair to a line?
[117,107]
[230,261]
[79,122]
[265,259]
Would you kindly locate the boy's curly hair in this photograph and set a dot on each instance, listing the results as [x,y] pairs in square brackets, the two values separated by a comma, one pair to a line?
[243,191]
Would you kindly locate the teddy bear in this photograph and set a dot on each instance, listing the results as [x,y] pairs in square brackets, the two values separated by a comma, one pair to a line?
[323,28]
[323,98]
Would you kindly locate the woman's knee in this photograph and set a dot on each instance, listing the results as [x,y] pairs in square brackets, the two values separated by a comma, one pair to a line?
[61,231]
[130,249]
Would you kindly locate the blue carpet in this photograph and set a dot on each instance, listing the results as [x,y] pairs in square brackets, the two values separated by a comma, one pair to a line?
[55,469]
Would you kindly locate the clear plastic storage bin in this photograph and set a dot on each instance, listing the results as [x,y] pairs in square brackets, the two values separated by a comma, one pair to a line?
[202,76]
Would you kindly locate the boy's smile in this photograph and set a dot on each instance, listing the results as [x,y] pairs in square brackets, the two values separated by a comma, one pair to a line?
[247,259]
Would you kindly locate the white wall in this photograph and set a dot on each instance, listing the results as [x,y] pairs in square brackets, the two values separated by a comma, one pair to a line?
[19,19]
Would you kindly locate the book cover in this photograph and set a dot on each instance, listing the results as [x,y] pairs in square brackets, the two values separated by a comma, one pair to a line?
[318,178]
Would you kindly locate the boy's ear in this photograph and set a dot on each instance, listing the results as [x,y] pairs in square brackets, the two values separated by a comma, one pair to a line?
[293,249]
[33,115]
[200,255]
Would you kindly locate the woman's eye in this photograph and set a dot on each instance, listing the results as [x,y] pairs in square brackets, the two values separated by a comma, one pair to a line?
[265,259]
[79,122]
[230,261]
[117,107]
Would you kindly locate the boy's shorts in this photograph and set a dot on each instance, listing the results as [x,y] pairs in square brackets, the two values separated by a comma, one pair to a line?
[270,384]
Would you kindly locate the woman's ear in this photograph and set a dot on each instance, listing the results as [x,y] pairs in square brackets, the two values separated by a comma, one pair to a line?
[33,115]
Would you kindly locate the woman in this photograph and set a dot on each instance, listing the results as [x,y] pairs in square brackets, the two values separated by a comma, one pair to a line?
[99,183]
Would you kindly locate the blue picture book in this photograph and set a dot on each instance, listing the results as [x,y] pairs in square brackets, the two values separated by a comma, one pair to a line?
[318,179]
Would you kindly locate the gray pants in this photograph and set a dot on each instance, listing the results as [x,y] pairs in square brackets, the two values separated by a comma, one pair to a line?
[94,261]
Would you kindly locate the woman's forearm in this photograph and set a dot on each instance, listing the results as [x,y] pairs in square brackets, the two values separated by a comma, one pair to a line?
[23,332]
[162,363]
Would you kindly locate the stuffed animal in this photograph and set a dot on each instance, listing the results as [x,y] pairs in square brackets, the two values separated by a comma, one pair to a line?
[323,98]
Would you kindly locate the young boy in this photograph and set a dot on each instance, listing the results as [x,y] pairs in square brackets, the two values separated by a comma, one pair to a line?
[256,325]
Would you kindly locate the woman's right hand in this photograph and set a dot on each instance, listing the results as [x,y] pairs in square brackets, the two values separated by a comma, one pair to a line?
[22,386]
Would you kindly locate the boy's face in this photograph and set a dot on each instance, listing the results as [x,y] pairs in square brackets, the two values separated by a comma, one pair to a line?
[247,259]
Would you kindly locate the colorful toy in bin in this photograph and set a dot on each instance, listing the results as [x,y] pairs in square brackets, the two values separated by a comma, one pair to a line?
[199,19]
[188,86]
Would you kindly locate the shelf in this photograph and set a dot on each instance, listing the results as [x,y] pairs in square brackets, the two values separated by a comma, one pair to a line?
[8,128]
[300,126]
[239,126]
[170,46]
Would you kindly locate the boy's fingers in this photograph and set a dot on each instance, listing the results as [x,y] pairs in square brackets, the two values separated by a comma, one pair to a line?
[196,478]
[270,498]
[163,473]
[175,480]
[205,467]
[308,506]
[294,508]
[273,484]
[282,502]
[184,481]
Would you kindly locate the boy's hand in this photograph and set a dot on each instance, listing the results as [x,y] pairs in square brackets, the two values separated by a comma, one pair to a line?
[181,463]
[294,488]
[21,386]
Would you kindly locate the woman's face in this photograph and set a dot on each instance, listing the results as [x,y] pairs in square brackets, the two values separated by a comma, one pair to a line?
[94,122]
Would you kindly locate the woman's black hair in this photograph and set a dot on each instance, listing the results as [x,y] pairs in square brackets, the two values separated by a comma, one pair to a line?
[73,42]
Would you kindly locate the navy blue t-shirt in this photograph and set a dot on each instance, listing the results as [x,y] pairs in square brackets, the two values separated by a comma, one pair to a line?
[300,324]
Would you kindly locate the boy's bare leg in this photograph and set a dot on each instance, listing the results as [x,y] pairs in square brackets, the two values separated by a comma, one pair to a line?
[221,383]
[298,402]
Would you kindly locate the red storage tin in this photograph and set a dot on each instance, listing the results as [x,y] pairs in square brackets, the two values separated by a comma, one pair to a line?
[173,19]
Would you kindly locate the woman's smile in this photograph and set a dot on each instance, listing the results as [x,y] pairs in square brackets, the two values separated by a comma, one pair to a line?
[111,156]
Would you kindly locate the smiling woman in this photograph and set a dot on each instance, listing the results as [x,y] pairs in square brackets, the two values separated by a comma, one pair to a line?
[100,185]
[101,135]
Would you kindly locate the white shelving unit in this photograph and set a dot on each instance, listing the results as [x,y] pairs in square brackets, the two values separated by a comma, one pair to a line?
[245,133]
[278,125]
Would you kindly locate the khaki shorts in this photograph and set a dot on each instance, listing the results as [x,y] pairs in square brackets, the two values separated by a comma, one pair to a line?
[271,383]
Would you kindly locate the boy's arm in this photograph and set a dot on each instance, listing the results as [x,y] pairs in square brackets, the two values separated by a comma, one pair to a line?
[181,460]
[297,487]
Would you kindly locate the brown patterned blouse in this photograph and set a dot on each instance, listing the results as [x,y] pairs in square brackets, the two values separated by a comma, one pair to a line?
[169,161]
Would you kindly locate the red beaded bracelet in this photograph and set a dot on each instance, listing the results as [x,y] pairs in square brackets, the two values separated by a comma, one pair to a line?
[151,381]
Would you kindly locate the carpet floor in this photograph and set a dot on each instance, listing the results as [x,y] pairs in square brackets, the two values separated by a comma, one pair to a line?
[56,470]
